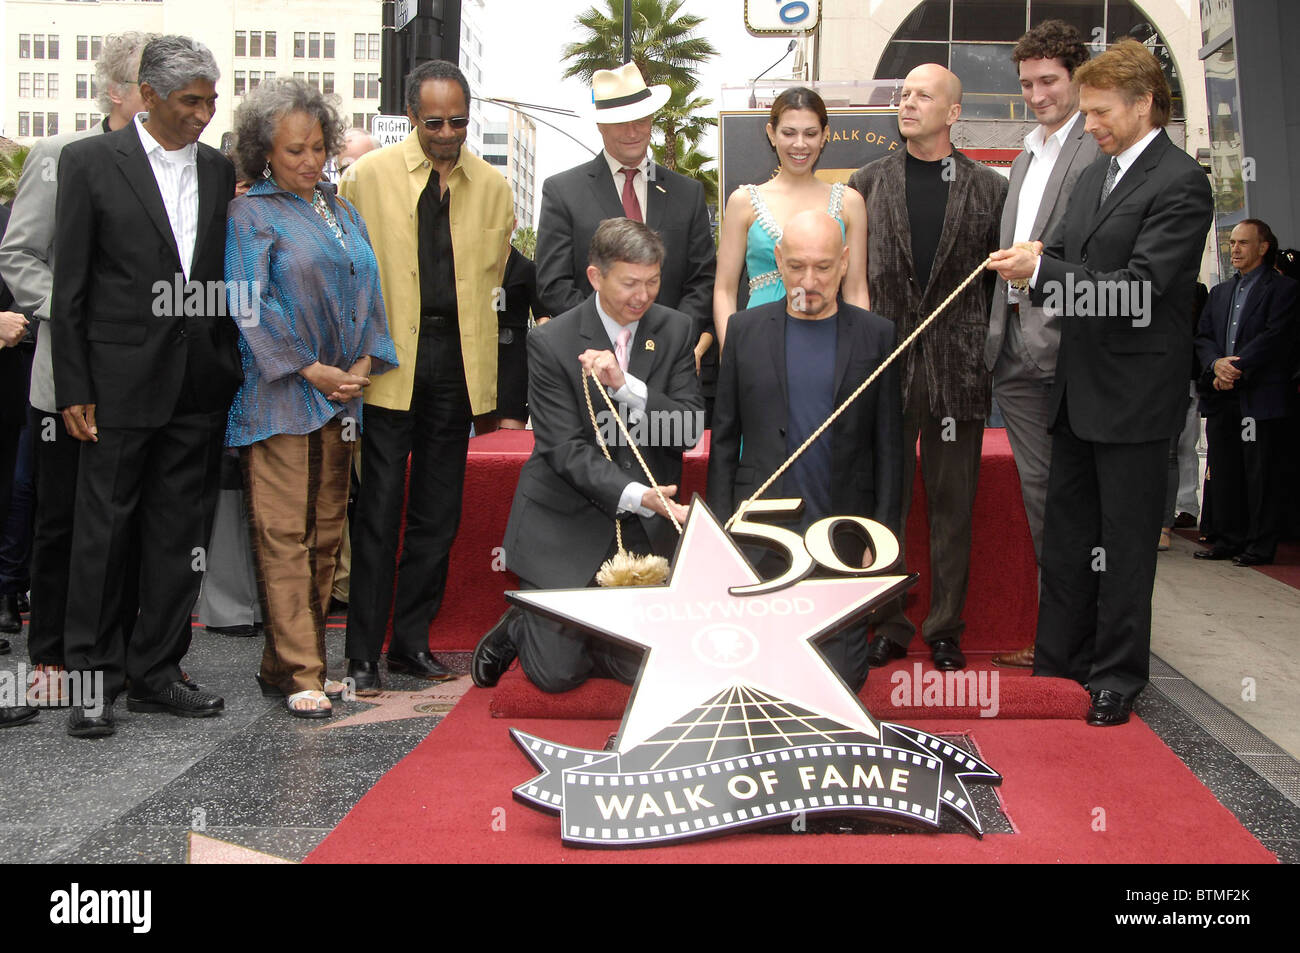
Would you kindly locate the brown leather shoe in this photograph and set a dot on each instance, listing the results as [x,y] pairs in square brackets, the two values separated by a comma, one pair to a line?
[1020,658]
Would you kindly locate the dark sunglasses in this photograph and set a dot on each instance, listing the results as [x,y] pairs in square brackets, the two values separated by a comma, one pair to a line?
[434,123]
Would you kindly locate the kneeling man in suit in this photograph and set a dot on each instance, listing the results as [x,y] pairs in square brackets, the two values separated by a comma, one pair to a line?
[561,524]
[785,368]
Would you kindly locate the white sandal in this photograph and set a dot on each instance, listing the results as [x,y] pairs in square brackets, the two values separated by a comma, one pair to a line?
[316,697]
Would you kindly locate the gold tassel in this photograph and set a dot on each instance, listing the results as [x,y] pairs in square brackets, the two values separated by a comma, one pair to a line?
[627,569]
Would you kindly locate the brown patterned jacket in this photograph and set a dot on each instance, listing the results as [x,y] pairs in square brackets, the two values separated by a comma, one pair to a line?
[951,351]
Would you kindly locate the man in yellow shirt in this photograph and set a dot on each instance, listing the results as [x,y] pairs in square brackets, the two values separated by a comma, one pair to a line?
[440,220]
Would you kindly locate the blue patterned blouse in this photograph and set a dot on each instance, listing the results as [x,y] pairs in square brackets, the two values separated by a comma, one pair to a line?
[301,293]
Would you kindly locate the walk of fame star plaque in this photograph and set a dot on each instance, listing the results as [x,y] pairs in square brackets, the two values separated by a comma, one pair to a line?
[736,720]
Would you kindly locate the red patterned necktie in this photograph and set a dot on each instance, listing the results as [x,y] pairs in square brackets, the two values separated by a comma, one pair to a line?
[631,207]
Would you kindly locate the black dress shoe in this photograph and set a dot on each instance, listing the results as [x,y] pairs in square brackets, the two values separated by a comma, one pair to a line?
[1250,559]
[10,620]
[1108,708]
[237,631]
[421,665]
[1185,521]
[1216,553]
[947,657]
[495,652]
[365,677]
[82,725]
[180,700]
[16,715]
[882,649]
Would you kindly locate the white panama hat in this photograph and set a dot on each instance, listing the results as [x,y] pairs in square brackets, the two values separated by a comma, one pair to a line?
[621,95]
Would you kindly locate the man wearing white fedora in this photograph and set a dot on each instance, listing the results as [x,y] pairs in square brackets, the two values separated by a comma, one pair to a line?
[622,181]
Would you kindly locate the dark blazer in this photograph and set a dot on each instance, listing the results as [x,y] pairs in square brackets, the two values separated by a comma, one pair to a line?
[576,201]
[561,523]
[1127,382]
[1040,331]
[749,417]
[951,352]
[119,341]
[1265,339]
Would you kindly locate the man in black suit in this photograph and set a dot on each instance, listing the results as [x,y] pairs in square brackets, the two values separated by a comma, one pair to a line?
[816,351]
[561,524]
[144,371]
[1121,270]
[1244,346]
[623,181]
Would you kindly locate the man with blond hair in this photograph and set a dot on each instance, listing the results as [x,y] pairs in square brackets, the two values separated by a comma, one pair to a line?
[1122,270]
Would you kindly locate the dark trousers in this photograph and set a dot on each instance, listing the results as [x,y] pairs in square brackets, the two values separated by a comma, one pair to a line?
[16,524]
[434,433]
[558,657]
[158,486]
[950,470]
[55,464]
[1247,488]
[1104,507]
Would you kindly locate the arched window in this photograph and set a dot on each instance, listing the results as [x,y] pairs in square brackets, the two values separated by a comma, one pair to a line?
[974,39]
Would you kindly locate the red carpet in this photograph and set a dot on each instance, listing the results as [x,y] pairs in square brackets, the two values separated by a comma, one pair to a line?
[1074,794]
[894,693]
[1001,607]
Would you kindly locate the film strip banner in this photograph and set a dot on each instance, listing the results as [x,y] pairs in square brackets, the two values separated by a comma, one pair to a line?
[909,773]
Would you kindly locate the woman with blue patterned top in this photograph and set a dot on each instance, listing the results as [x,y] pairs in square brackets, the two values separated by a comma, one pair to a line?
[797,130]
[303,283]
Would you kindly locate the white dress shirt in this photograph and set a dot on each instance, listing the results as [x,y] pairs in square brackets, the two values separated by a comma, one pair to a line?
[639,185]
[1043,152]
[633,394]
[177,174]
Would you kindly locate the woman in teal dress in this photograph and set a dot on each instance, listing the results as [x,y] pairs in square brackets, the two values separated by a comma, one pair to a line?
[797,130]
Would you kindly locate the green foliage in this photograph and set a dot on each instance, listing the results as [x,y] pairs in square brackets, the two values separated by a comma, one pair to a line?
[11,167]
[525,240]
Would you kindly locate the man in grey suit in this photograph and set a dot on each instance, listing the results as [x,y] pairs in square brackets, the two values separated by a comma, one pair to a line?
[934,217]
[569,496]
[27,264]
[1023,339]
[623,181]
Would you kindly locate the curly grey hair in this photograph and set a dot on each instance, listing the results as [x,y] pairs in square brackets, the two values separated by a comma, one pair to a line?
[172,62]
[259,115]
[119,64]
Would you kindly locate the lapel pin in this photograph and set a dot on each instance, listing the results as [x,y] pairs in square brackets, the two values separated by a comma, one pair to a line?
[661,188]
[649,345]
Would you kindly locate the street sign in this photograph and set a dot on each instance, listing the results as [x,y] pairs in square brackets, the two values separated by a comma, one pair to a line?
[390,129]
[782,17]
[404,12]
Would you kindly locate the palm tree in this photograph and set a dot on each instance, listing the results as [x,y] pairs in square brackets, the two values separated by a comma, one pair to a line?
[682,117]
[665,50]
[663,45]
